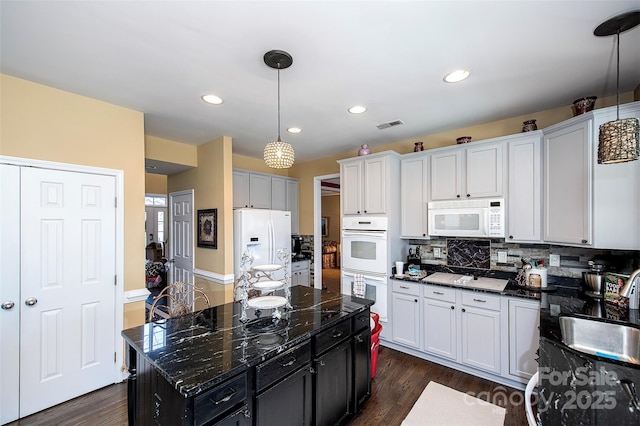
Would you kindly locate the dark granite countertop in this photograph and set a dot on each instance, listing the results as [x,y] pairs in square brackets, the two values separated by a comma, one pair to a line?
[197,351]
[578,388]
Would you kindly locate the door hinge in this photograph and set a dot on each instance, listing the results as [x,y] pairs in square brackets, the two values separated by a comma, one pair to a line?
[114,357]
[115,280]
[115,202]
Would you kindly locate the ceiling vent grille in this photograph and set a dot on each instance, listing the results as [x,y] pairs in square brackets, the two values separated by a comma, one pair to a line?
[389,124]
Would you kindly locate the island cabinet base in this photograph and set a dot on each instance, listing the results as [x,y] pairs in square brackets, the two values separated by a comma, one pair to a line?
[323,380]
[152,400]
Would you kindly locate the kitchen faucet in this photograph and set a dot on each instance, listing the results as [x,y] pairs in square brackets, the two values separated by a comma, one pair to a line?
[630,290]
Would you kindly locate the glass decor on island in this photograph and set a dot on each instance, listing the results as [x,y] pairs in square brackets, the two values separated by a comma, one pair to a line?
[257,279]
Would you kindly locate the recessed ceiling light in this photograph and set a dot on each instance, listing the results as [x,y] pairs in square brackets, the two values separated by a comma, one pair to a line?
[358,109]
[456,76]
[294,130]
[212,99]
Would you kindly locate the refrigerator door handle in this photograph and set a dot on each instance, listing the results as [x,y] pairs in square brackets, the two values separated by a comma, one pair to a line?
[271,242]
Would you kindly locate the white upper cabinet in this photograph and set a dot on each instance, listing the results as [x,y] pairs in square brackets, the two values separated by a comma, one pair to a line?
[616,191]
[469,172]
[278,193]
[586,203]
[264,191]
[365,183]
[413,196]
[567,183]
[524,204]
[446,171]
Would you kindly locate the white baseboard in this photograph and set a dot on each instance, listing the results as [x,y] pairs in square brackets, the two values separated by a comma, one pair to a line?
[215,277]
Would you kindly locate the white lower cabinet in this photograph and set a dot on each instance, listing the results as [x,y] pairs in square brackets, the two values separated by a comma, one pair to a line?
[300,273]
[524,335]
[406,314]
[440,327]
[494,336]
[480,334]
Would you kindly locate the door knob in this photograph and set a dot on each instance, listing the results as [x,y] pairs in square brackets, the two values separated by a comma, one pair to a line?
[8,305]
[31,301]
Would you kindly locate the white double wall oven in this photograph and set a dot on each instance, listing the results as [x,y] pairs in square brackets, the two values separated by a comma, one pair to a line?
[365,252]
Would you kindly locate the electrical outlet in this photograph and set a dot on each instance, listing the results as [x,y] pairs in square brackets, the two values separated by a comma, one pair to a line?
[554,260]
[437,252]
[502,256]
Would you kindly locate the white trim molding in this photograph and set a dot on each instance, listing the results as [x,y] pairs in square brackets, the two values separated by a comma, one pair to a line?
[137,295]
[213,276]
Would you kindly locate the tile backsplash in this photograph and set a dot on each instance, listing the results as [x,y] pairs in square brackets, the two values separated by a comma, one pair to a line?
[573,260]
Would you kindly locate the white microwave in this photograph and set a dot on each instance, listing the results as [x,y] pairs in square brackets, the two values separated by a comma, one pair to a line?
[467,218]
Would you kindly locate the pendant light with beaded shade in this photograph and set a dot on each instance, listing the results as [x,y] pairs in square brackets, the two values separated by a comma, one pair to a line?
[278,154]
[618,140]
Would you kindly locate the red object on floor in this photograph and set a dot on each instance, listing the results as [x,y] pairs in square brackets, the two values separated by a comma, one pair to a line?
[375,343]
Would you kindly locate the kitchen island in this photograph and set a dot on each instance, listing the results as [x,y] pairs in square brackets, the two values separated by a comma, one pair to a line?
[312,366]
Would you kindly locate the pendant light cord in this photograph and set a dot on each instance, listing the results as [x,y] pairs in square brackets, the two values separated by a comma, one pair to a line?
[278,102]
[617,77]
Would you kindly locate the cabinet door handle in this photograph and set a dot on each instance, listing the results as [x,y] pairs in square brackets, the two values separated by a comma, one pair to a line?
[511,237]
[226,398]
[464,310]
[468,195]
[458,196]
[404,287]
[480,300]
[453,307]
[415,300]
[336,334]
[289,364]
[439,293]
[359,339]
[584,241]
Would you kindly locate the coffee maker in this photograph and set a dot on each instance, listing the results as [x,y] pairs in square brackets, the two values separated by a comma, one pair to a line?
[296,247]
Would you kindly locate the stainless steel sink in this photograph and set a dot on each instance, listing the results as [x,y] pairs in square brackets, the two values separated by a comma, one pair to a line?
[608,340]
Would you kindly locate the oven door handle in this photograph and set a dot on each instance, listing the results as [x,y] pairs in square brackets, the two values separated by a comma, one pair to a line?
[374,234]
[366,277]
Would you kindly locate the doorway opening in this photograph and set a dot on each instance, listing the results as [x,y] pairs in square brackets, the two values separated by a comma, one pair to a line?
[327,225]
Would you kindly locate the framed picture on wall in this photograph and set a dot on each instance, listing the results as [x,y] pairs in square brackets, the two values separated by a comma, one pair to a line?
[325,226]
[208,228]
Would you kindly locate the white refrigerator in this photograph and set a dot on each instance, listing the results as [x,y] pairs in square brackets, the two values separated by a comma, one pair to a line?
[262,233]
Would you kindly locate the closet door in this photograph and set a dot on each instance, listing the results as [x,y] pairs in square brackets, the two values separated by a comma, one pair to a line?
[9,292]
[58,269]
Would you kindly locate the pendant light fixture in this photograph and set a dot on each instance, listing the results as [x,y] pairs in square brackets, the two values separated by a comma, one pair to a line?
[278,154]
[618,141]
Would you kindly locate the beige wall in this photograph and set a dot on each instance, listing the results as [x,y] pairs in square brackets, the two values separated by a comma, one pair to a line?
[331,210]
[170,151]
[155,184]
[44,123]
[212,183]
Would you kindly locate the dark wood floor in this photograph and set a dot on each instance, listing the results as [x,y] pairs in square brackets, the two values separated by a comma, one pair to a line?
[399,381]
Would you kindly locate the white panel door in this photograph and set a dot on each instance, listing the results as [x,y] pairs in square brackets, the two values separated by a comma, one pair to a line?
[9,293]
[67,291]
[181,240]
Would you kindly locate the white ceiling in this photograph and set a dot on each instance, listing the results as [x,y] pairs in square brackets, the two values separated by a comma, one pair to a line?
[160,57]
